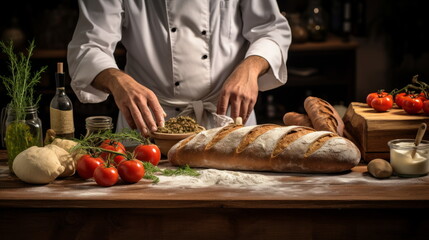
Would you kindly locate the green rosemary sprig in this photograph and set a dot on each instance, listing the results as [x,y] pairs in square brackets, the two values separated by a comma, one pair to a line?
[20,85]
[96,139]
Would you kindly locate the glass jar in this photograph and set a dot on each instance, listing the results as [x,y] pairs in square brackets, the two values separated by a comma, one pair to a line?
[408,160]
[23,129]
[98,124]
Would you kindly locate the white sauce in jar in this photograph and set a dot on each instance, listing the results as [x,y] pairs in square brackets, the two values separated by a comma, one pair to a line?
[402,161]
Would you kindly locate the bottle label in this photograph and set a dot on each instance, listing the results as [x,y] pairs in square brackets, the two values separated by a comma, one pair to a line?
[62,121]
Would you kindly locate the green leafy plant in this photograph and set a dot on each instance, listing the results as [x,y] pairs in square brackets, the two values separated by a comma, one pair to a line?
[20,84]
[20,88]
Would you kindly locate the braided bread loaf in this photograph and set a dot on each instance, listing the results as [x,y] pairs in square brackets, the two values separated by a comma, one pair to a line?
[267,147]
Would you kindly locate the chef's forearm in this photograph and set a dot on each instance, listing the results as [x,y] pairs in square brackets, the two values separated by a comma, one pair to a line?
[107,79]
[256,65]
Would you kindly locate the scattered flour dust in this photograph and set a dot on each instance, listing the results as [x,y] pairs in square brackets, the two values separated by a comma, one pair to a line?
[210,177]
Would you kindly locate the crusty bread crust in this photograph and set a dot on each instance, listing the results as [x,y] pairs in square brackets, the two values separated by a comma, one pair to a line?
[267,148]
[296,119]
[323,115]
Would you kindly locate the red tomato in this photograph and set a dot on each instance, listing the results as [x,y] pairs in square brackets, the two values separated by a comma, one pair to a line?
[86,166]
[112,142]
[422,96]
[426,107]
[112,146]
[118,159]
[373,95]
[148,153]
[399,99]
[382,104]
[131,171]
[412,105]
[106,176]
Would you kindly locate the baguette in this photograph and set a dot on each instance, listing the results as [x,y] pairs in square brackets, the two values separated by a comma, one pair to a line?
[323,115]
[298,119]
[267,147]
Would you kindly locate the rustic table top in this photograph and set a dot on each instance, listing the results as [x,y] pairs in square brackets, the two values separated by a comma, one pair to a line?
[353,189]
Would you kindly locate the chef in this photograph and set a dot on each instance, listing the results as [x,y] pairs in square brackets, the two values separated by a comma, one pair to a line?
[202,58]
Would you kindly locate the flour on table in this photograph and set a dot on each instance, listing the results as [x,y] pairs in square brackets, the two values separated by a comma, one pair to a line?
[209,177]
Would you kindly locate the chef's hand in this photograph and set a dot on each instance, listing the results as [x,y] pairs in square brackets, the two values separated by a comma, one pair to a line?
[240,90]
[138,104]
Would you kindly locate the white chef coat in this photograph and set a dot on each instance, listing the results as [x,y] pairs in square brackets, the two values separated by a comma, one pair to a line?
[183,50]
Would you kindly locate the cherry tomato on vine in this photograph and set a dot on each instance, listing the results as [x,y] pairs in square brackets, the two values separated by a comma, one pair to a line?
[87,164]
[112,146]
[106,176]
[131,171]
[399,99]
[112,142]
[148,153]
[382,103]
[118,159]
[426,107]
[412,105]
[373,95]
[422,96]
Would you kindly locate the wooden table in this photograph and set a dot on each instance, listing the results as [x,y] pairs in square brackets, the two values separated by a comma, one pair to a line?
[350,205]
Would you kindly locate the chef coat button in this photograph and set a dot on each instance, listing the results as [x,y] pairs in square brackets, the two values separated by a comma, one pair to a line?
[177,83]
[174,29]
[204,32]
[204,57]
[177,109]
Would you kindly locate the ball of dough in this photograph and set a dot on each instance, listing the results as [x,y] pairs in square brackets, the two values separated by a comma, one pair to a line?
[68,146]
[380,168]
[65,158]
[64,143]
[37,165]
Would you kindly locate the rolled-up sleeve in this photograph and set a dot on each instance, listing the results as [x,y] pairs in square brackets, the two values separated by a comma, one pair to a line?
[269,35]
[91,49]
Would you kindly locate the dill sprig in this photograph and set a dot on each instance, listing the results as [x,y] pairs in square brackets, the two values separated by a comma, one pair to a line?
[20,85]
[183,170]
[151,171]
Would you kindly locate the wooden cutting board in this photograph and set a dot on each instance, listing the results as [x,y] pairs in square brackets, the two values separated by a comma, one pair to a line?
[371,130]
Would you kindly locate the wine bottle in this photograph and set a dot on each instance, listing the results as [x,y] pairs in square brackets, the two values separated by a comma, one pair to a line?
[61,108]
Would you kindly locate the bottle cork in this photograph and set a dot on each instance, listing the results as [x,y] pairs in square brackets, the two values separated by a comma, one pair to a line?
[60,67]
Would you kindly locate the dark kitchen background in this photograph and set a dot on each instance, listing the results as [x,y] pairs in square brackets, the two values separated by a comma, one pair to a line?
[359,46]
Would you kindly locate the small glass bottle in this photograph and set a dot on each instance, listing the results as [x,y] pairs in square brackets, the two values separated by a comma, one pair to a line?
[61,108]
[23,130]
[98,124]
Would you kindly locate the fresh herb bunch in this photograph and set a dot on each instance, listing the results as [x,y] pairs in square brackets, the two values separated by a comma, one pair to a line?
[20,85]
[126,134]
[20,88]
[92,142]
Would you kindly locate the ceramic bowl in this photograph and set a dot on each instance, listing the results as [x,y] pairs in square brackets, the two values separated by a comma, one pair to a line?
[166,140]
